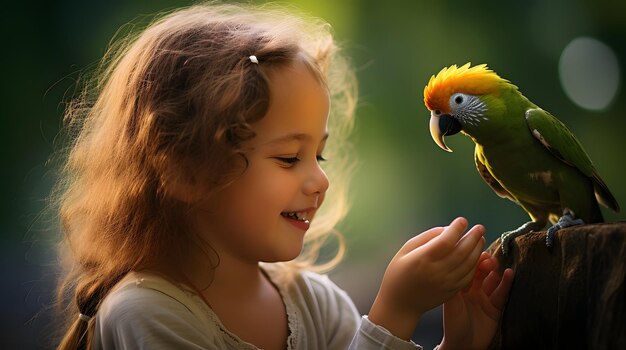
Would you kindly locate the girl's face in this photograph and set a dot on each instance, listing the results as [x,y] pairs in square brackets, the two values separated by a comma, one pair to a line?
[264,214]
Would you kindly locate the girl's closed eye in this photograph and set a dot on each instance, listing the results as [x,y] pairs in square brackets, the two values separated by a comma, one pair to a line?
[291,161]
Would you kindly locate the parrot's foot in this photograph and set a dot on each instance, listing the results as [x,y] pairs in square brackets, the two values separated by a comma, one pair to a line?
[566,220]
[506,239]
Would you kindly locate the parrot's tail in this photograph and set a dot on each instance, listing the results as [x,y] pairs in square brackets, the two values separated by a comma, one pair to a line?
[603,195]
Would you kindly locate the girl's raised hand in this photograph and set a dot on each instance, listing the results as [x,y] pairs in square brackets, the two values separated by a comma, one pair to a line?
[429,269]
[471,317]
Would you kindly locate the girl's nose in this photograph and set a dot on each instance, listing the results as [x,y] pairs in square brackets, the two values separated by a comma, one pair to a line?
[317,181]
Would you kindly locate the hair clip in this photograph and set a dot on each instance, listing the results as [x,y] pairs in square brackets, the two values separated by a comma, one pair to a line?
[84,317]
[253,59]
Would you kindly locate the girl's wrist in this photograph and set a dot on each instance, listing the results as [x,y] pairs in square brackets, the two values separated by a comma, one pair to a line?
[400,323]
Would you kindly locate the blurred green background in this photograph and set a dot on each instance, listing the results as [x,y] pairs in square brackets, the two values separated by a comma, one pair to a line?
[404,183]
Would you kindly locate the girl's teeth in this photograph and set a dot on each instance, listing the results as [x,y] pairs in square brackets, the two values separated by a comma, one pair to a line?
[300,216]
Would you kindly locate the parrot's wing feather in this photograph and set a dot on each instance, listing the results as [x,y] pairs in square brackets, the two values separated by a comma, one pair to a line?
[560,141]
[490,180]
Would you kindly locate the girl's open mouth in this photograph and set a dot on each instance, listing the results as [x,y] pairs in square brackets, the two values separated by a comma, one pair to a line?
[298,219]
[300,216]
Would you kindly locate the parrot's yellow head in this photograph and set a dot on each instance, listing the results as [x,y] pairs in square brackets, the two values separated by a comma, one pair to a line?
[477,80]
[453,97]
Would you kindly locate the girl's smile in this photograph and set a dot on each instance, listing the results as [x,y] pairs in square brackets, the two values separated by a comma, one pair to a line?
[300,219]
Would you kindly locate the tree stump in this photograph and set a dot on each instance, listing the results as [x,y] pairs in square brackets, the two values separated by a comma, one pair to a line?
[572,296]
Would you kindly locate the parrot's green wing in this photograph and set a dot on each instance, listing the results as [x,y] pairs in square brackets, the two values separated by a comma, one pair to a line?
[560,141]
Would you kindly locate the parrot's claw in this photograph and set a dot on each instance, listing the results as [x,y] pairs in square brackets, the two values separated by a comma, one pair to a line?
[564,221]
[507,238]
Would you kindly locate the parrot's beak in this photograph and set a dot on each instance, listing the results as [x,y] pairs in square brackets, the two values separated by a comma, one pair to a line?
[441,126]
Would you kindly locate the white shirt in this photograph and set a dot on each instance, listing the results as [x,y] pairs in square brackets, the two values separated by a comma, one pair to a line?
[146,311]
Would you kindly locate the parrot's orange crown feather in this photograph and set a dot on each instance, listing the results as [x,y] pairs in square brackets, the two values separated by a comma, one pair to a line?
[477,80]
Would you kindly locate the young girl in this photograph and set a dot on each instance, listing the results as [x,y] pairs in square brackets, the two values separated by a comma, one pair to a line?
[191,194]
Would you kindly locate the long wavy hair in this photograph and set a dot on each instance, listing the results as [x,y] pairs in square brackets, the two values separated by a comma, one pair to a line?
[179,93]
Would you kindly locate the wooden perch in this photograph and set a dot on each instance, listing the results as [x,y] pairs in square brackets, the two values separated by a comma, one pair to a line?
[570,297]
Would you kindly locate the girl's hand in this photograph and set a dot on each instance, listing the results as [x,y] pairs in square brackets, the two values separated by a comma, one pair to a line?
[428,270]
[471,317]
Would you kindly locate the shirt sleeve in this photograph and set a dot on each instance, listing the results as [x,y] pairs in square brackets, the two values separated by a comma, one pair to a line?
[143,318]
[371,336]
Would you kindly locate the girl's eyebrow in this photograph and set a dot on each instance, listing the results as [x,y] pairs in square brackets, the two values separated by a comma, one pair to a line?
[294,137]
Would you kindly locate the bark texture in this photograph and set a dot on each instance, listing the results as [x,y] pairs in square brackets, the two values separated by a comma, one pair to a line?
[570,297]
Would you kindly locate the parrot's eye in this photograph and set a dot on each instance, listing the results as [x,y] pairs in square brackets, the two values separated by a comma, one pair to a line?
[459,100]
[465,106]
[437,112]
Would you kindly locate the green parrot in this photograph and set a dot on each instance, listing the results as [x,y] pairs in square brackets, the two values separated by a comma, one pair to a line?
[523,152]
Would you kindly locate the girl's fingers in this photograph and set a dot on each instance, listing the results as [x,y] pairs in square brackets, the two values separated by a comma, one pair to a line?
[493,279]
[486,263]
[420,240]
[464,275]
[447,240]
[485,266]
[500,294]
[467,269]
[466,246]
[491,283]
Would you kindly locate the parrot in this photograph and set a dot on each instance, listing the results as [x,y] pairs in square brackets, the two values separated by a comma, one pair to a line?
[524,153]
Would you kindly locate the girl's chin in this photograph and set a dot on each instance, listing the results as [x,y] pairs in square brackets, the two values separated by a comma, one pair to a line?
[284,256]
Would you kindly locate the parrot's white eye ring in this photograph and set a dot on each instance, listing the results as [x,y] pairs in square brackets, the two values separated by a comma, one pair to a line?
[459,100]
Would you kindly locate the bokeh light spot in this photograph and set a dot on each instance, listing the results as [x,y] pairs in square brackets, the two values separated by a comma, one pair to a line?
[590,73]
